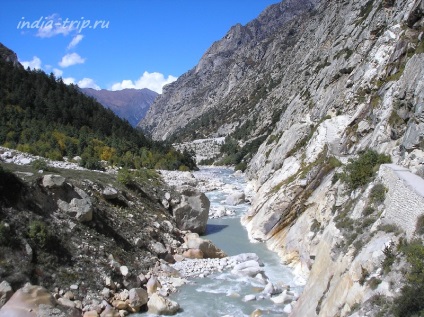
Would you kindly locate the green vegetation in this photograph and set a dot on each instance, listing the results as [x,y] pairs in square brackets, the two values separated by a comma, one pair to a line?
[365,12]
[360,171]
[374,282]
[419,228]
[40,165]
[378,193]
[39,234]
[239,156]
[389,259]
[389,228]
[41,115]
[130,178]
[395,119]
[411,300]
[397,75]
[368,211]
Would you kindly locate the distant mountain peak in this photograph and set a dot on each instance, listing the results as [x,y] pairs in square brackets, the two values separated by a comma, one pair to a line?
[130,104]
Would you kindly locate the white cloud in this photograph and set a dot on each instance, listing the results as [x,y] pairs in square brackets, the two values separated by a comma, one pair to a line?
[53,25]
[35,63]
[71,59]
[88,83]
[153,81]
[75,41]
[69,80]
[57,72]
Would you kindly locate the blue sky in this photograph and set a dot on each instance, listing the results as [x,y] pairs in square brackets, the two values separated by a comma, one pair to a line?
[119,44]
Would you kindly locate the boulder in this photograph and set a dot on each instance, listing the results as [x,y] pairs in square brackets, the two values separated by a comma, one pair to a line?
[91,313]
[193,254]
[256,313]
[162,306]
[35,301]
[235,198]
[119,304]
[6,292]
[208,249]
[124,270]
[152,285]
[53,181]
[110,193]
[66,302]
[80,209]
[110,312]
[249,298]
[138,297]
[283,298]
[192,212]
[249,268]
[158,248]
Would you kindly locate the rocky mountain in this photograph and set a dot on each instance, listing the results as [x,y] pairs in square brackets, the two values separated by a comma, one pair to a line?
[8,55]
[128,104]
[216,96]
[317,84]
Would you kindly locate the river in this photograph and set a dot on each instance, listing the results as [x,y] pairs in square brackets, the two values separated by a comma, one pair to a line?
[221,294]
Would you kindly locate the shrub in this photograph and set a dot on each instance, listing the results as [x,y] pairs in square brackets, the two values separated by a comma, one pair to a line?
[419,228]
[125,177]
[378,193]
[389,259]
[374,282]
[368,211]
[91,163]
[389,227]
[411,300]
[360,171]
[40,164]
[39,233]
[241,166]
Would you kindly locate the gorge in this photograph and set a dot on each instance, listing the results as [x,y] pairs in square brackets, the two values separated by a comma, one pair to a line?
[319,103]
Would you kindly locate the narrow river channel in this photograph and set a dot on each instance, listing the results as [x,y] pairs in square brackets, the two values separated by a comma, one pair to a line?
[222,294]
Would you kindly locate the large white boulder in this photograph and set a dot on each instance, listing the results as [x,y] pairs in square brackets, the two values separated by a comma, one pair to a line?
[235,199]
[192,212]
[162,306]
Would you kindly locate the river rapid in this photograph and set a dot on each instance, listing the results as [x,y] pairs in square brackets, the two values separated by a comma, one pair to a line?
[223,294]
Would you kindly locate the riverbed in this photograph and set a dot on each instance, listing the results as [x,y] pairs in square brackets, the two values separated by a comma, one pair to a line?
[223,294]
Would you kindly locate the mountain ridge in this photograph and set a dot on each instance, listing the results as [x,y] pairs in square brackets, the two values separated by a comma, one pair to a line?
[129,104]
[227,61]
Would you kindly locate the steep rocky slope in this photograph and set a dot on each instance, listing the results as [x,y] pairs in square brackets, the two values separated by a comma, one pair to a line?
[216,95]
[93,239]
[128,104]
[321,82]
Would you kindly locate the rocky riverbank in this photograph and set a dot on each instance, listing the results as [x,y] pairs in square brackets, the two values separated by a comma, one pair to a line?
[87,239]
[98,247]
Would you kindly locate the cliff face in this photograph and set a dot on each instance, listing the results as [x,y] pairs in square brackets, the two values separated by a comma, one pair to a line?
[322,81]
[213,98]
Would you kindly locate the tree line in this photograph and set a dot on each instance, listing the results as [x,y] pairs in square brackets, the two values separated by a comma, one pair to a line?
[41,115]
